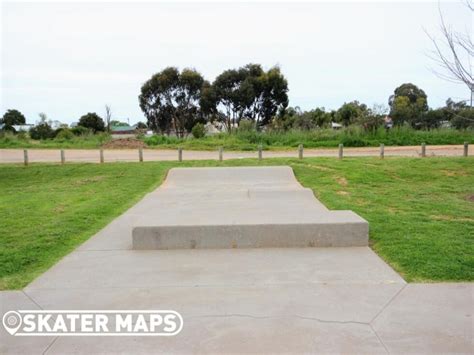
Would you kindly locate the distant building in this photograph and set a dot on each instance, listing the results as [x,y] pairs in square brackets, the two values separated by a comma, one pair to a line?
[123,131]
[22,127]
[212,129]
[335,125]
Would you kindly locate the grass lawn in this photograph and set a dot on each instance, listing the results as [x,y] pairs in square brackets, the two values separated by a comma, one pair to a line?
[421,211]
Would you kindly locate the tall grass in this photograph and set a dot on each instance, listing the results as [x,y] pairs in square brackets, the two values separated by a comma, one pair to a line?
[250,139]
[350,137]
[87,141]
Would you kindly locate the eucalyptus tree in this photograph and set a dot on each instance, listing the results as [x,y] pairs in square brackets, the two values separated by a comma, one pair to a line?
[171,100]
[250,92]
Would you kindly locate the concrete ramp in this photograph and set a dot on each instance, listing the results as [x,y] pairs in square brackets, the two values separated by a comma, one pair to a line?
[242,207]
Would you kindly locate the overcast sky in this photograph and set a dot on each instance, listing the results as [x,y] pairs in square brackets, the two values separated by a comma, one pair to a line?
[69,59]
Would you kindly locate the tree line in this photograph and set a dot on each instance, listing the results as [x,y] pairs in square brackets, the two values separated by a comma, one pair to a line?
[408,105]
[175,101]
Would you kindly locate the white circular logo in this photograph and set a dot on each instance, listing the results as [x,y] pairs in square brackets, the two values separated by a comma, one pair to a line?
[12,321]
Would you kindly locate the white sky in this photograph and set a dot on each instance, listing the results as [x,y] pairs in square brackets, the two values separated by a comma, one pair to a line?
[67,59]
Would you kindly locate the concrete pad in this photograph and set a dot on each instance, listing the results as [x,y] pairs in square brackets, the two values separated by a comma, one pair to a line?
[14,301]
[214,267]
[242,207]
[325,302]
[429,318]
[238,334]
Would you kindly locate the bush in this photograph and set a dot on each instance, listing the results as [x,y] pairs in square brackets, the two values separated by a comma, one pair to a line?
[22,135]
[81,131]
[42,131]
[198,131]
[246,126]
[464,119]
[64,134]
[160,140]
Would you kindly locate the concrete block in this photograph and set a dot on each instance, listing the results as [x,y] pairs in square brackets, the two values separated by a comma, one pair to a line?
[250,207]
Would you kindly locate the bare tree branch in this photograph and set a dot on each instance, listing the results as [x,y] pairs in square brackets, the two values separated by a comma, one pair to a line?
[453,53]
[108,116]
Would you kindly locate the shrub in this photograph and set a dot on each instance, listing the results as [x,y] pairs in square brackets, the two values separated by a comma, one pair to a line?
[22,135]
[464,119]
[160,140]
[304,123]
[198,131]
[42,131]
[81,131]
[64,134]
[246,126]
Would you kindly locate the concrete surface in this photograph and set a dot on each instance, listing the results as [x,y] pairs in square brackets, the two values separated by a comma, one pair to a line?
[242,207]
[273,300]
[92,155]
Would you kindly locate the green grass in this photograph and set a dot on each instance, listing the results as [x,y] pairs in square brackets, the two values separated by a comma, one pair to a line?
[250,140]
[421,211]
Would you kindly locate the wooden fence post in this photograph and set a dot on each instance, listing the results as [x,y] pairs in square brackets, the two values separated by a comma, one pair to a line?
[63,157]
[300,151]
[466,149]
[423,150]
[140,154]
[260,152]
[25,157]
[341,151]
[382,151]
[180,154]
[101,156]
[221,153]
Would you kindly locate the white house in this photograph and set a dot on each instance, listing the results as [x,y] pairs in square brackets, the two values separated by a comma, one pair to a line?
[23,127]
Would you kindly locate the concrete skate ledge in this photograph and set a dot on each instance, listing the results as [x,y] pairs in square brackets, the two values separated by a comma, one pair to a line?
[331,234]
[242,207]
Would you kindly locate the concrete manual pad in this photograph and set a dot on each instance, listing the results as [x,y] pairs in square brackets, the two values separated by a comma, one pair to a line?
[242,207]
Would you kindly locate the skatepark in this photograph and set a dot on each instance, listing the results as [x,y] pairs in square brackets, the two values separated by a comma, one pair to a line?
[254,263]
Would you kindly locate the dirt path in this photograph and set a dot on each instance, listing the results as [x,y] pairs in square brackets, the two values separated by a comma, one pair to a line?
[92,155]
